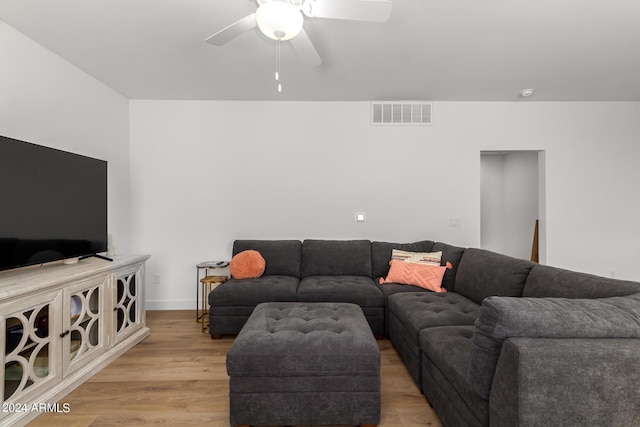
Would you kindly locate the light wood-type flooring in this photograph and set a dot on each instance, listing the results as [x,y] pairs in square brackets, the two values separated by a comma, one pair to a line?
[177,377]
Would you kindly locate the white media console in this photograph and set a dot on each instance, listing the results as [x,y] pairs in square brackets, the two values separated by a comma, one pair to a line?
[63,323]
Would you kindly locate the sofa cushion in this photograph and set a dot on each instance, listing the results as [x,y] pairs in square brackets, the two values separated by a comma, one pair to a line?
[422,275]
[484,273]
[282,256]
[545,281]
[448,348]
[389,289]
[419,310]
[251,292]
[501,318]
[381,254]
[452,254]
[351,289]
[336,258]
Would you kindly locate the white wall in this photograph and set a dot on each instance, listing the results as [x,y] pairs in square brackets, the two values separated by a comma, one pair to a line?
[492,204]
[542,207]
[47,101]
[206,173]
[521,190]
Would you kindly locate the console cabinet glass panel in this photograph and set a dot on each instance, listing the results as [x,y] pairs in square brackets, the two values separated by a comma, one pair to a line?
[128,302]
[83,329]
[29,346]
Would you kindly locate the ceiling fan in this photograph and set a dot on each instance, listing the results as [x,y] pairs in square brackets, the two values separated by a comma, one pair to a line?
[282,20]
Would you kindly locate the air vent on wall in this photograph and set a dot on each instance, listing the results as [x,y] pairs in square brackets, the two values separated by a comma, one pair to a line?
[401,113]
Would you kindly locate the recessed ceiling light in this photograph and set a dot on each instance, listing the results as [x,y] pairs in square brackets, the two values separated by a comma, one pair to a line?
[527,93]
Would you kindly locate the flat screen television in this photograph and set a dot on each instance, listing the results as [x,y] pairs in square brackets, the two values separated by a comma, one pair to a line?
[53,204]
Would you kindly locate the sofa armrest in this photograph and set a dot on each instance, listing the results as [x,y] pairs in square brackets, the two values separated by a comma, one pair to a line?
[566,382]
[502,317]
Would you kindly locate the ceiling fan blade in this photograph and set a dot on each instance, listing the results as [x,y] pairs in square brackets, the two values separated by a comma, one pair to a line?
[355,10]
[234,30]
[305,50]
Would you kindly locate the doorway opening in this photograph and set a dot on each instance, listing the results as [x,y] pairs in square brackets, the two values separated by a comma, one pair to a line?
[512,203]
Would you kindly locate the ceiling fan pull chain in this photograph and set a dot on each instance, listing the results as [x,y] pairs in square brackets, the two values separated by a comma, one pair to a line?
[277,60]
[278,65]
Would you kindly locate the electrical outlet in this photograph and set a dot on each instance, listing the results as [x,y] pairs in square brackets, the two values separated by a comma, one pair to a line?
[156,279]
[361,216]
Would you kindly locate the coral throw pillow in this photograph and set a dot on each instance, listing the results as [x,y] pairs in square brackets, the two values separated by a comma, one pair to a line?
[424,276]
[247,265]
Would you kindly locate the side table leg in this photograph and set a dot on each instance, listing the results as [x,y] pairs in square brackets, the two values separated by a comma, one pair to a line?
[197,294]
[205,287]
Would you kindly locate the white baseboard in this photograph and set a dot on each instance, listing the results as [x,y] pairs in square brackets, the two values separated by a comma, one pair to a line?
[170,305]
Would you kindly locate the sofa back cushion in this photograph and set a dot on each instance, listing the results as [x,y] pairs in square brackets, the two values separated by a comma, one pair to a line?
[282,257]
[453,255]
[381,254]
[501,318]
[483,273]
[336,258]
[545,281]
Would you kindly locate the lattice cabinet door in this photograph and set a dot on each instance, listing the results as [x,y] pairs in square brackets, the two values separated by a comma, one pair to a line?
[129,301]
[84,322]
[30,348]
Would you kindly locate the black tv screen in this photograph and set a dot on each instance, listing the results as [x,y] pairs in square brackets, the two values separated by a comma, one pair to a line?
[53,204]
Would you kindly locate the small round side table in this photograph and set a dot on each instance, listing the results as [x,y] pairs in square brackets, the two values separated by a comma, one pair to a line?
[213,276]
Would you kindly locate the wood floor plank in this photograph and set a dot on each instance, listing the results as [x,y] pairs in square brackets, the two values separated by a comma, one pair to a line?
[177,377]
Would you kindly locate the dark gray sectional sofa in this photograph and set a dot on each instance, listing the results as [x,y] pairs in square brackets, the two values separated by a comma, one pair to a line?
[511,342]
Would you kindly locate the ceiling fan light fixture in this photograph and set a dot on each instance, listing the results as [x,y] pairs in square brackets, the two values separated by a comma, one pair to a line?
[279,20]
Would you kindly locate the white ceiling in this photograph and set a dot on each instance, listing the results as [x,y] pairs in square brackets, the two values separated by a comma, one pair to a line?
[437,50]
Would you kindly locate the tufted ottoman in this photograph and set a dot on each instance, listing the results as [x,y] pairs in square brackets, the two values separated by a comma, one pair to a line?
[304,363]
